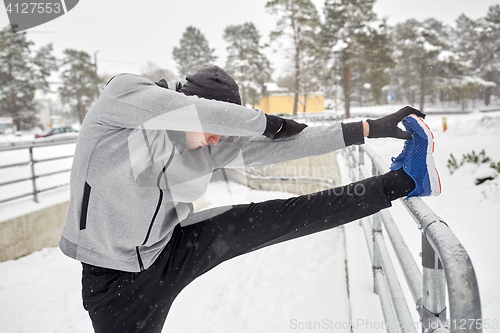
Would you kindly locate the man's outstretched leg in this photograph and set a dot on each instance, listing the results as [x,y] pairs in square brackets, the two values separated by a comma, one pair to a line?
[139,302]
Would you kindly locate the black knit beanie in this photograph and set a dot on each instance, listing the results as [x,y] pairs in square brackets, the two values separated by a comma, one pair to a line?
[212,83]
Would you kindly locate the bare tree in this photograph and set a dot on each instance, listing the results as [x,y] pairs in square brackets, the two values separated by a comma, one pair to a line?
[298,23]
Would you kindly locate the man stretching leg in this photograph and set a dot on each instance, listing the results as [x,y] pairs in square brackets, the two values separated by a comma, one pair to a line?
[147,150]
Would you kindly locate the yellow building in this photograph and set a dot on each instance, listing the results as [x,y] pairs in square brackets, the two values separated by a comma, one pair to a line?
[283,103]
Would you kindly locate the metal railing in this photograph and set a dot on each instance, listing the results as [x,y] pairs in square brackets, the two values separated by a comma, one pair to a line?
[318,118]
[446,267]
[31,162]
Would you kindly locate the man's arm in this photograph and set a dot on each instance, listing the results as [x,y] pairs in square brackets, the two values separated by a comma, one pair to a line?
[311,141]
[131,101]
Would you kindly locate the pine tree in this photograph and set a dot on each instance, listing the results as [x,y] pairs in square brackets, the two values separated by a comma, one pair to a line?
[478,45]
[21,73]
[245,62]
[316,75]
[153,72]
[80,82]
[373,59]
[193,52]
[321,67]
[490,36]
[419,69]
[299,21]
[456,79]
[356,46]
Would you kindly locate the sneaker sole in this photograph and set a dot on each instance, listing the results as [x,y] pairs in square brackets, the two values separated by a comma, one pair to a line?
[434,180]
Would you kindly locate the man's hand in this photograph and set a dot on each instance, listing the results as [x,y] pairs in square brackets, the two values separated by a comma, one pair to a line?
[387,127]
[278,127]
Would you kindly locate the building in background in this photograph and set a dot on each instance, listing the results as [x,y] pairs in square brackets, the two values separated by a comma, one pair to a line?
[281,101]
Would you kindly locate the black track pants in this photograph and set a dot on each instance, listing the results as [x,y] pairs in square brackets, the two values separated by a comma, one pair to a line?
[139,302]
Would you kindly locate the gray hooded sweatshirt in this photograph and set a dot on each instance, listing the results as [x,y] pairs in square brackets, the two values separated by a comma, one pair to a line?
[133,178]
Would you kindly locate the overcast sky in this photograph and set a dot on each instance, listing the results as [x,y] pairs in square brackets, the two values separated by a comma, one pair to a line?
[128,34]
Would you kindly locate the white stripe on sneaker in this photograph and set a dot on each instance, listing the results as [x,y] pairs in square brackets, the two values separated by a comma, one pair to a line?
[434,179]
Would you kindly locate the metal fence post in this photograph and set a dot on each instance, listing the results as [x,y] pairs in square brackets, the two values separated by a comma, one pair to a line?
[361,162]
[350,162]
[376,229]
[434,289]
[33,178]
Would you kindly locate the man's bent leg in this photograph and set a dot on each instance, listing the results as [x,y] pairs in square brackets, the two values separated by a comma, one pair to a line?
[125,302]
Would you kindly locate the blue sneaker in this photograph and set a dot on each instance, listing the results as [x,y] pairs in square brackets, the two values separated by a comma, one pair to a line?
[416,158]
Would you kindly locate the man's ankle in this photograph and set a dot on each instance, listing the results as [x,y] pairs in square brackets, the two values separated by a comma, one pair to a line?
[397,184]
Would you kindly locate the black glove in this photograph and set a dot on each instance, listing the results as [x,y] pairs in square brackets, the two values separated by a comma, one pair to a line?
[387,127]
[281,128]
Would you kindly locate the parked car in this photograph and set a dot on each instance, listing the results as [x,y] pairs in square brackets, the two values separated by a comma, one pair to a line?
[6,125]
[55,131]
[57,134]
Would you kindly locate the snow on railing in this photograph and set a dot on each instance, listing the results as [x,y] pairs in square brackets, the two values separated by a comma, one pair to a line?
[445,265]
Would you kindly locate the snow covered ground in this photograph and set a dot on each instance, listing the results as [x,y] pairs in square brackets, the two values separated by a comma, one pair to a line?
[285,287]
[277,289]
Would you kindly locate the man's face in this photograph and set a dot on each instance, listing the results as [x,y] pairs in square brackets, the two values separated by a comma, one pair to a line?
[195,140]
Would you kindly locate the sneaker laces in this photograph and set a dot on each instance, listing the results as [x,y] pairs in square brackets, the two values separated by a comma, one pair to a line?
[403,152]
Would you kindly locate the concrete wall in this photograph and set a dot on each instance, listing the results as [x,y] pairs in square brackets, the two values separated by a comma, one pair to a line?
[302,176]
[32,232]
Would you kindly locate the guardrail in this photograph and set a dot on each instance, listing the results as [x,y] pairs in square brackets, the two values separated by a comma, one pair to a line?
[445,265]
[31,162]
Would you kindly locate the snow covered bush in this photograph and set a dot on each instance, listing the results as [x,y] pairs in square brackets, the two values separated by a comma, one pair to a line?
[477,164]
